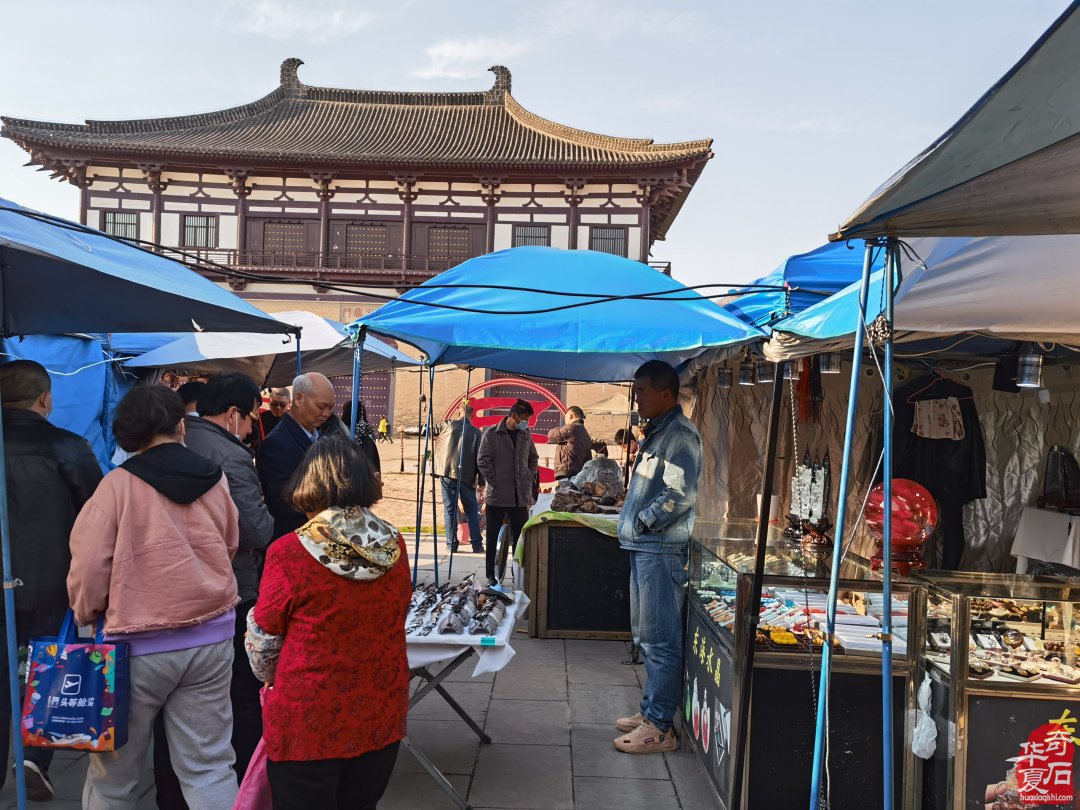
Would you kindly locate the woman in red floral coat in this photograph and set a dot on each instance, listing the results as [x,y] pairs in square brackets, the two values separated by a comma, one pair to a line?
[327,635]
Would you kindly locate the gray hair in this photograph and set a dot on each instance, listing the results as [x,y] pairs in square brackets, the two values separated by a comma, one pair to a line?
[303,384]
[282,393]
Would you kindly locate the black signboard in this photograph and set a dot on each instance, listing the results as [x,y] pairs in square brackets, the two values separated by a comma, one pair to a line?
[1021,752]
[707,698]
[588,588]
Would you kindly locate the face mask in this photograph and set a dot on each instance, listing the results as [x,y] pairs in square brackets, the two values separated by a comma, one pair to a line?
[523,426]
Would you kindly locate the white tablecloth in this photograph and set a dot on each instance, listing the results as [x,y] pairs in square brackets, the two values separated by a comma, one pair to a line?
[489,658]
[1048,536]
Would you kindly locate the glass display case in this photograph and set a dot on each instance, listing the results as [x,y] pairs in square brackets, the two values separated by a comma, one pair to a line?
[787,659]
[793,600]
[1000,656]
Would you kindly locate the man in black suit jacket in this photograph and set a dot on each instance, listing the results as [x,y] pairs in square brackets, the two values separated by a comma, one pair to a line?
[283,449]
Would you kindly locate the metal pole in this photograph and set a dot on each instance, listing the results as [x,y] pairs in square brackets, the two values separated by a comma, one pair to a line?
[753,612]
[299,364]
[466,423]
[12,639]
[357,371]
[891,260]
[419,477]
[431,444]
[838,542]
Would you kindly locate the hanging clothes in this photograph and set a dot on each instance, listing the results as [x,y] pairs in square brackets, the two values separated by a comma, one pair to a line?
[952,468]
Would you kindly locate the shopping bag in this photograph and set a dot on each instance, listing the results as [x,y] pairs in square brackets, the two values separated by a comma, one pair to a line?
[255,789]
[76,692]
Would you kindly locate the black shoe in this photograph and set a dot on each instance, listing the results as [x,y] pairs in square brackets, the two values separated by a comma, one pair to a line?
[492,582]
[38,786]
[478,549]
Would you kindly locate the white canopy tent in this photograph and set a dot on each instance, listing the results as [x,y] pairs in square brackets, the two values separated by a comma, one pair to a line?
[270,360]
[1008,166]
[1011,287]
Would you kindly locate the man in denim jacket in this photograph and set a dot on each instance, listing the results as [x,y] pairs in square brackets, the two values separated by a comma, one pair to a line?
[655,526]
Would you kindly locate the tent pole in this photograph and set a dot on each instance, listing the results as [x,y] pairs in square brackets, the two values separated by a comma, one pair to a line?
[299,364]
[357,370]
[838,540]
[760,547]
[419,475]
[461,461]
[428,444]
[891,268]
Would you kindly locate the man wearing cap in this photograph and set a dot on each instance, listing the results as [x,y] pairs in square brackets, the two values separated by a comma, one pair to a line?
[508,464]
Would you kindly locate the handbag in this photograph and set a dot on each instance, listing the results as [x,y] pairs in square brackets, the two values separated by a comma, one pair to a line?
[255,788]
[76,691]
[1061,481]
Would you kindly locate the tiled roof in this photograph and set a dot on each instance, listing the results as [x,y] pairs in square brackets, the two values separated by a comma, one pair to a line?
[325,126]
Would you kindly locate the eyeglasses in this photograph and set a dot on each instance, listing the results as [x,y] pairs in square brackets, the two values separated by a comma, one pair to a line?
[277,406]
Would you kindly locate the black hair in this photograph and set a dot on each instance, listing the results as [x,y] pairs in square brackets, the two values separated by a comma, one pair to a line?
[621,437]
[333,472]
[660,375]
[146,412]
[576,411]
[226,391]
[190,391]
[22,382]
[522,408]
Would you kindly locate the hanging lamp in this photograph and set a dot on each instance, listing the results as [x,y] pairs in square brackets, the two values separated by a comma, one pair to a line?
[1029,368]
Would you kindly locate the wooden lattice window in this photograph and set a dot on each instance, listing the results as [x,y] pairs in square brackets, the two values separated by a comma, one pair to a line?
[200,231]
[449,244]
[284,237]
[525,235]
[607,239]
[124,224]
[367,240]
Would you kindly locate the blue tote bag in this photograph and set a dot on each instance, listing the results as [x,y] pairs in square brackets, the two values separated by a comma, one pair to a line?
[76,692]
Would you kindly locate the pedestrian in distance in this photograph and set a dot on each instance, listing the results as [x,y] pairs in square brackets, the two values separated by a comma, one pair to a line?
[152,552]
[278,404]
[456,464]
[384,430]
[655,526]
[327,636]
[280,454]
[573,444]
[51,473]
[189,392]
[509,465]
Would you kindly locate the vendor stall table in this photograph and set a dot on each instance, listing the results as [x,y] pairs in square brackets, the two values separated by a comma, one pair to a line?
[577,575]
[786,662]
[492,655]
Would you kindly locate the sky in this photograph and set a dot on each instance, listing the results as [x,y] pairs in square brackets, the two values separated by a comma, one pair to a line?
[810,105]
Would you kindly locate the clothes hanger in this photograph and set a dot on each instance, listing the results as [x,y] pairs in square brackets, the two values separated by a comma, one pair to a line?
[936,377]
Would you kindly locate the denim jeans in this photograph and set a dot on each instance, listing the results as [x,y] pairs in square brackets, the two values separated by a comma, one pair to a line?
[472,511]
[657,591]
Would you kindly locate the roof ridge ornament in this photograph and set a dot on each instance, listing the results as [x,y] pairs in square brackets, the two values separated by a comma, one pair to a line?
[501,88]
[290,82]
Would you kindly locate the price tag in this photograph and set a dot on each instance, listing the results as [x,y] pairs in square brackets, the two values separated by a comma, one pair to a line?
[487,641]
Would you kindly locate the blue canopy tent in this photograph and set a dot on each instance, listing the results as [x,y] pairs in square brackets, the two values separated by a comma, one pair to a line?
[59,277]
[810,278]
[560,314]
[575,328]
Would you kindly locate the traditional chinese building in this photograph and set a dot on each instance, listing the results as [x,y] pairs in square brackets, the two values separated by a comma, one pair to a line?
[320,187]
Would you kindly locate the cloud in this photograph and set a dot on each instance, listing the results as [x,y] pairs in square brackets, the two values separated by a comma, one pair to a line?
[469,58]
[314,21]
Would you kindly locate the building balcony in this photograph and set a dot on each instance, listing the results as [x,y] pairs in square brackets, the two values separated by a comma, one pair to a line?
[333,267]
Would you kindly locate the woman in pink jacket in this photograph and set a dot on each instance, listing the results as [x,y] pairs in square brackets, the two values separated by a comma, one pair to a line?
[152,550]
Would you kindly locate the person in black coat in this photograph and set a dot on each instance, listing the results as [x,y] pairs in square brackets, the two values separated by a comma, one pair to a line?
[282,450]
[51,473]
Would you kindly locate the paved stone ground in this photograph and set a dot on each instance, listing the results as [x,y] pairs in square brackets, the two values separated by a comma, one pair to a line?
[550,716]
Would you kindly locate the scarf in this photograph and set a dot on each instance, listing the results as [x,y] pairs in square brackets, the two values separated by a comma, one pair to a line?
[353,543]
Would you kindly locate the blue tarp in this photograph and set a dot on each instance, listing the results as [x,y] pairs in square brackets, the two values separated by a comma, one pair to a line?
[812,277]
[86,387]
[597,342]
[58,280]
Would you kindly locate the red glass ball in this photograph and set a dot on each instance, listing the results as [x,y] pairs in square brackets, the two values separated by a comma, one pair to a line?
[914,512]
